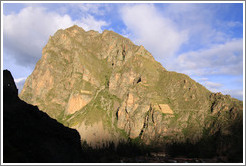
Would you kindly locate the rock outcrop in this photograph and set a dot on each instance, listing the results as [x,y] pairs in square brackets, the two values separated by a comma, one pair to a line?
[31,136]
[88,80]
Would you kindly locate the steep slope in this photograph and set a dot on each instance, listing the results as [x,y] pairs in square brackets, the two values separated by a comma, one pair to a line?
[30,135]
[110,89]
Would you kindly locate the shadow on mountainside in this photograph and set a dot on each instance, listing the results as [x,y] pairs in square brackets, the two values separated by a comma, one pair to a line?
[223,148]
[31,136]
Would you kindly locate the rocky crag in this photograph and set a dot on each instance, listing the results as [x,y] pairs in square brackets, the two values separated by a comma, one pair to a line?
[31,136]
[110,89]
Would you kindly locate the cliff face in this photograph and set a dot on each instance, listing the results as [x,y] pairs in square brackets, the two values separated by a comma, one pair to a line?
[30,135]
[110,89]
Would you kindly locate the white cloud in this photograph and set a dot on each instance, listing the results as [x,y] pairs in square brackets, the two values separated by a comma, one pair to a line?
[190,26]
[236,93]
[27,32]
[218,87]
[20,83]
[157,33]
[213,86]
[199,20]
[203,79]
[18,80]
[224,59]
[89,22]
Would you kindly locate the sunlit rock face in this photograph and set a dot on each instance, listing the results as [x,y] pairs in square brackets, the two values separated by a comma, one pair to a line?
[110,89]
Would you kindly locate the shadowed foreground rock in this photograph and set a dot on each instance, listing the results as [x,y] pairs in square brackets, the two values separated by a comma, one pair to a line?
[30,135]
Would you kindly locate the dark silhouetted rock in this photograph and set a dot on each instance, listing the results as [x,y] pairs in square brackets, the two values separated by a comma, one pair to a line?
[9,88]
[30,135]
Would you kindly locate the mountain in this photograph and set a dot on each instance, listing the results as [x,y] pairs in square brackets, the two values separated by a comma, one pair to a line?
[111,90]
[31,136]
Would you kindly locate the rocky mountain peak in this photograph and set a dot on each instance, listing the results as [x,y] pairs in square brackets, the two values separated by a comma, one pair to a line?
[110,89]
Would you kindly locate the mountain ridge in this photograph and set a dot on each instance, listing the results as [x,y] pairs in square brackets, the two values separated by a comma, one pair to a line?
[110,89]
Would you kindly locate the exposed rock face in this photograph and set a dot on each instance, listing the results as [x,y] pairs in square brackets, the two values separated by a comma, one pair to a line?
[88,80]
[163,108]
[30,135]
[77,102]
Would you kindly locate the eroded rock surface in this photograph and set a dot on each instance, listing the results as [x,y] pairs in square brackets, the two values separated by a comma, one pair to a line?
[91,81]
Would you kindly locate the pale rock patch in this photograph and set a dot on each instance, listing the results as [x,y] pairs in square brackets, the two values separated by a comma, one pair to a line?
[163,108]
[77,102]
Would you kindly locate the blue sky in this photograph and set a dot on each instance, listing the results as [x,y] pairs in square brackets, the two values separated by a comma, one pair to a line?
[202,40]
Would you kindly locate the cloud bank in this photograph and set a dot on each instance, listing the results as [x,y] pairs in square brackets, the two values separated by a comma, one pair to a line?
[26,33]
[151,29]
[226,59]
[192,39]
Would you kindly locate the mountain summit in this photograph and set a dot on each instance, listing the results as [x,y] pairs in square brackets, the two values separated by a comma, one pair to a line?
[110,89]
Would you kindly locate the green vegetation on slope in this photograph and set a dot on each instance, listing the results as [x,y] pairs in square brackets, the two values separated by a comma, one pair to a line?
[122,84]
